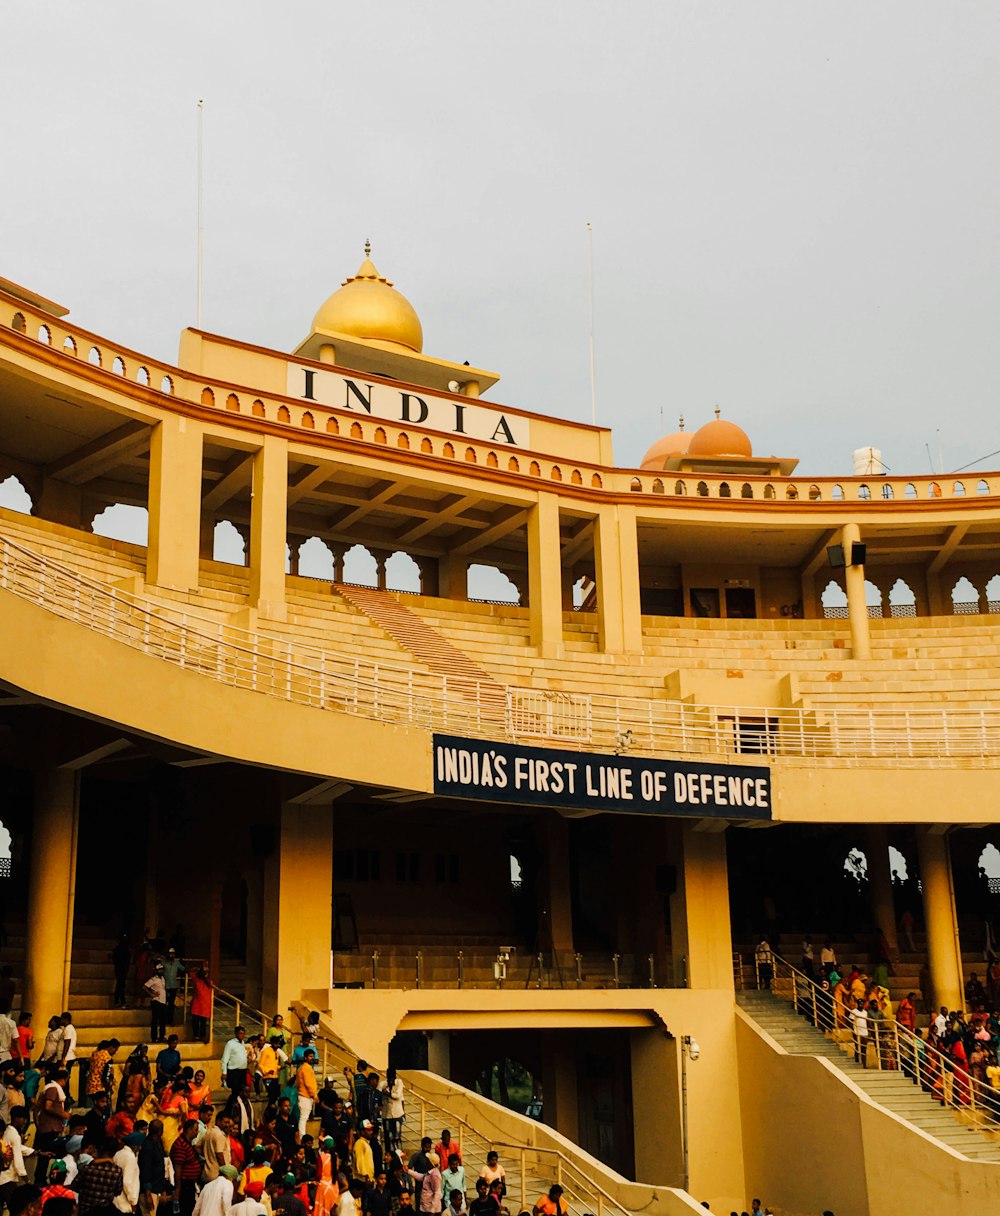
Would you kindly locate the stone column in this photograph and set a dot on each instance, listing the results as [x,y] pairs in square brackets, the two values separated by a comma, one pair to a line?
[857,608]
[883,904]
[51,891]
[174,504]
[943,948]
[701,931]
[616,558]
[268,528]
[544,576]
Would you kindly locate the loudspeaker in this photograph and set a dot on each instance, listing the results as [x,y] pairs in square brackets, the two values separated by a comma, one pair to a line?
[858,554]
[835,556]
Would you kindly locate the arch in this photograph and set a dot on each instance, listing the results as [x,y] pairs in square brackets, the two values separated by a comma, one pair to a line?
[380,435]
[958,489]
[815,493]
[119,521]
[513,465]
[257,409]
[898,869]
[332,426]
[19,324]
[635,485]
[934,490]
[724,490]
[449,451]
[118,367]
[746,490]
[402,573]
[856,866]
[791,493]
[284,413]
[142,376]
[491,583]
[492,460]
[228,545]
[657,486]
[316,559]
[534,469]
[873,599]
[94,357]
[702,489]
[910,491]
[680,488]
[864,491]
[360,566]
[769,492]
[964,598]
[837,493]
[167,385]
[308,421]
[595,481]
[993,594]
[233,403]
[403,441]
[988,864]
[69,345]
[902,601]
[356,431]
[426,445]
[207,397]
[576,477]
[834,601]
[14,496]
[887,490]
[556,473]
[982,486]
[470,456]
[45,335]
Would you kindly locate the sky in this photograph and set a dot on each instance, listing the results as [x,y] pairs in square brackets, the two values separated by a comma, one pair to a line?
[794,205]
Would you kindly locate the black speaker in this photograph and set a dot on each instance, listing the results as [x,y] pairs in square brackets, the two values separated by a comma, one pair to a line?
[858,554]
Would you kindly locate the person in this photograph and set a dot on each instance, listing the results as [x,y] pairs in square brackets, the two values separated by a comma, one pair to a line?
[156,990]
[201,1005]
[453,1178]
[234,1061]
[456,1204]
[446,1146]
[764,959]
[173,970]
[361,1090]
[257,1172]
[187,1168]
[377,1201]
[428,1185]
[268,1064]
[152,1169]
[67,1044]
[287,1200]
[340,1125]
[346,1204]
[216,1198]
[216,1151]
[362,1156]
[56,1187]
[393,1109]
[121,959]
[419,1161]
[99,1181]
[14,1172]
[551,1204]
[828,957]
[807,959]
[308,1091]
[285,1130]
[135,1084]
[52,1111]
[100,1071]
[98,1116]
[127,1160]
[53,1042]
[200,1090]
[493,1171]
[24,1044]
[168,1063]
[859,1027]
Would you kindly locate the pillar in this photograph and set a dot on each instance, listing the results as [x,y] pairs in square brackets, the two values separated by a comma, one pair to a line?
[328,354]
[300,868]
[52,887]
[559,1084]
[381,557]
[255,932]
[943,949]
[268,528]
[544,577]
[656,1086]
[206,538]
[701,932]
[616,558]
[174,504]
[935,595]
[439,1053]
[338,553]
[215,935]
[60,502]
[883,904]
[857,609]
[556,903]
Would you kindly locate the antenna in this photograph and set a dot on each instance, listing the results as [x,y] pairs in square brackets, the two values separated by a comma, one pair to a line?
[590,302]
[201,182]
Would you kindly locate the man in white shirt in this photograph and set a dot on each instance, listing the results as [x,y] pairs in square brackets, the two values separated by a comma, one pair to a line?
[859,1024]
[15,1172]
[8,1033]
[68,1038]
[216,1197]
[941,1022]
[127,1160]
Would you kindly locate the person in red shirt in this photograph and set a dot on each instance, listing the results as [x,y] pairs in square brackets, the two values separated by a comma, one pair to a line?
[552,1204]
[56,1188]
[187,1167]
[906,1013]
[446,1147]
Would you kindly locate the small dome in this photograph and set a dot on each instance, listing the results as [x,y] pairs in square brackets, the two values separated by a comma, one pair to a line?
[661,451]
[367,306]
[720,438]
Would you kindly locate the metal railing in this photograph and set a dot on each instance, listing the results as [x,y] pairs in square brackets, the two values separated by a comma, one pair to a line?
[327,679]
[887,1045]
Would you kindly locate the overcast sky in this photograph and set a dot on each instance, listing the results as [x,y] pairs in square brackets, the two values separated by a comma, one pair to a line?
[796,206]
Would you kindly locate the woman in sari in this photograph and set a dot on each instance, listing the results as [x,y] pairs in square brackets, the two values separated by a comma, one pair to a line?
[172,1108]
[135,1084]
[199,1092]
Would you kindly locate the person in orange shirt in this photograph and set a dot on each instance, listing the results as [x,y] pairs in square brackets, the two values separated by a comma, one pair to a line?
[306,1088]
[551,1204]
[446,1148]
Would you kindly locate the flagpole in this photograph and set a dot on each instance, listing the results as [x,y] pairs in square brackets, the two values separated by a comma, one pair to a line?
[590,303]
[201,221]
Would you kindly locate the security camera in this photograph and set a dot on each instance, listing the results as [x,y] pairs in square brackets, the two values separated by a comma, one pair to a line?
[694,1049]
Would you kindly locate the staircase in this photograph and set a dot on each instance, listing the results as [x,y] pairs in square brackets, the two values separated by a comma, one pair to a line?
[890,1088]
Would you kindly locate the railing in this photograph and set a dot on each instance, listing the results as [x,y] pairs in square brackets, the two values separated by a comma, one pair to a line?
[888,1046]
[327,679]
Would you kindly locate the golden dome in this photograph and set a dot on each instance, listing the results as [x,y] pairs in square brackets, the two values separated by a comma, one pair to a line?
[670,445]
[367,306]
[720,438]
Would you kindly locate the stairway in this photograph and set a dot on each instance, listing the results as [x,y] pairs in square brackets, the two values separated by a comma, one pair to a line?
[891,1089]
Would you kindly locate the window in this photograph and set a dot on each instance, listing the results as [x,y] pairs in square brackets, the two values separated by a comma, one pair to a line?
[356,865]
[407,867]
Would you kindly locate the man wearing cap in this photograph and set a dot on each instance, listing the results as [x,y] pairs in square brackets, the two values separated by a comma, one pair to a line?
[56,1187]
[173,969]
[127,1160]
[429,1190]
[156,989]
[216,1198]
[286,1200]
[362,1157]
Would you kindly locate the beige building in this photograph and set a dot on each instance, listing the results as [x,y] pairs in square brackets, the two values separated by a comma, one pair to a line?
[526,847]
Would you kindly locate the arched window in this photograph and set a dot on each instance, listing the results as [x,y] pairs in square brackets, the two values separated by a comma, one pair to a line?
[769,492]
[902,601]
[258,410]
[535,471]
[910,491]
[791,493]
[118,367]
[402,573]
[449,451]
[815,494]
[123,522]
[360,567]
[989,868]
[595,481]
[332,428]
[356,431]
[680,488]
[426,446]
[45,335]
[94,356]
[402,439]
[18,324]
[964,598]
[207,397]
[887,490]
[702,490]
[993,594]
[657,486]
[934,490]
[233,403]
[635,485]
[747,491]
[834,601]
[284,413]
[69,345]
[142,376]
[837,493]
[576,477]
[958,489]
[856,866]
[513,465]
[982,486]
[315,560]
[228,545]
[493,461]
[14,496]
[489,583]
[470,458]
[724,490]
[873,598]
[864,491]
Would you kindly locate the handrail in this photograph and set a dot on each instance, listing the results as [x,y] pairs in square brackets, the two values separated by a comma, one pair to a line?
[328,679]
[894,1047]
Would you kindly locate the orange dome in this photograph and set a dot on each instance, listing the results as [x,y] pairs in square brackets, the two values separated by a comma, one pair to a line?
[720,438]
[661,451]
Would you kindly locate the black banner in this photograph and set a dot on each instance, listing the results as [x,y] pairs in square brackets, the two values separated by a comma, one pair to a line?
[545,776]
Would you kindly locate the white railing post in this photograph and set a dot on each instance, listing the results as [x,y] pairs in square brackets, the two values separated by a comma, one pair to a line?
[183,640]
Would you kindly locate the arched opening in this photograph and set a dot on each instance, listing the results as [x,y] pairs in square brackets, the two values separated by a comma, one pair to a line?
[69,345]
[380,435]
[791,493]
[837,493]
[492,460]
[680,488]
[142,377]
[887,490]
[595,481]
[233,403]
[910,491]
[489,583]
[702,490]
[856,866]
[993,594]
[360,567]
[982,486]
[769,492]
[864,492]
[166,385]
[513,466]
[657,486]
[284,415]
[94,356]
[18,324]
[402,573]
[315,560]
[902,601]
[14,496]
[227,544]
[958,489]
[934,490]
[122,522]
[834,601]
[309,422]
[724,490]
[989,868]
[964,598]
[815,494]
[118,367]
[898,869]
[576,477]
[207,397]
[45,335]
[873,599]
[470,456]
[747,491]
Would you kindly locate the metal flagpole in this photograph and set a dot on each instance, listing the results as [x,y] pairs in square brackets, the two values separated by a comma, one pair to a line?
[590,301]
[201,224]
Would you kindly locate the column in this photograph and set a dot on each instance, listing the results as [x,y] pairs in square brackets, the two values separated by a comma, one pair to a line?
[559,1084]
[616,558]
[338,553]
[857,609]
[935,595]
[268,528]
[883,903]
[556,900]
[701,932]
[51,891]
[174,504]
[943,949]
[298,905]
[544,577]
